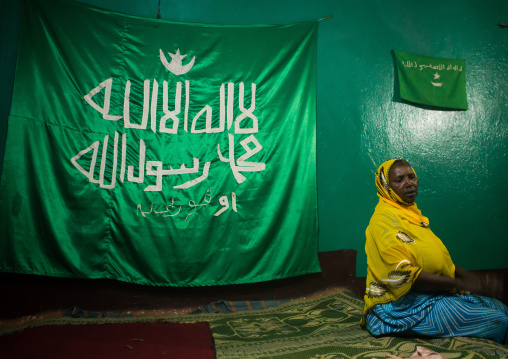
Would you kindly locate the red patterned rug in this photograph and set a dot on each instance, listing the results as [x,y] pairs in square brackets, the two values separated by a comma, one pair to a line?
[117,340]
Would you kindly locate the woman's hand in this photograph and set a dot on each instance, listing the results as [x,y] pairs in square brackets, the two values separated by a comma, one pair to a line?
[487,284]
[474,283]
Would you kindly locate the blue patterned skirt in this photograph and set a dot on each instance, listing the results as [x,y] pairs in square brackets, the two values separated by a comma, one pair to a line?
[417,314]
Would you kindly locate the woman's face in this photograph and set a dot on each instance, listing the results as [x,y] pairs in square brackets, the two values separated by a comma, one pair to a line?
[404,182]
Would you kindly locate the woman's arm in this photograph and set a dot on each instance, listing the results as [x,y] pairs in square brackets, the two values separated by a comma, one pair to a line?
[463,281]
[432,283]
[484,284]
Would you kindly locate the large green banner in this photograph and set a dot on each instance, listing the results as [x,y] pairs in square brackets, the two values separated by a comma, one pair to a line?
[159,153]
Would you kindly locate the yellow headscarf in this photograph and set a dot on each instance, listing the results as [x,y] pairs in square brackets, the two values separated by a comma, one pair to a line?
[386,194]
[399,246]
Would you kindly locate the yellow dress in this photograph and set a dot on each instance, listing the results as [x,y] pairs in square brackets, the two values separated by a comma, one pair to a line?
[399,246]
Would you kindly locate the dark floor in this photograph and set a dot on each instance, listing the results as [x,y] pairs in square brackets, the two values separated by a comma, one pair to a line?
[24,295]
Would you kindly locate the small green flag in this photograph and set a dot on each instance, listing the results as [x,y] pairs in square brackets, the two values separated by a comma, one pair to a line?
[431,80]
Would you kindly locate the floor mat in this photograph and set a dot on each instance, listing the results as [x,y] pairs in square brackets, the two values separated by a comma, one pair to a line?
[323,327]
[327,327]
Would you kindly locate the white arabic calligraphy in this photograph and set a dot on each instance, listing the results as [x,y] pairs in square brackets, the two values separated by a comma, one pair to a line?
[223,201]
[168,120]
[440,67]
[150,106]
[242,165]
[158,173]
[156,168]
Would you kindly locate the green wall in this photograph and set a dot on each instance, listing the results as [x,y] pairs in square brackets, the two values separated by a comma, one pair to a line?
[460,156]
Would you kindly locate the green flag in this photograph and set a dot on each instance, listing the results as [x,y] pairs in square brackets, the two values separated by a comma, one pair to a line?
[159,153]
[432,81]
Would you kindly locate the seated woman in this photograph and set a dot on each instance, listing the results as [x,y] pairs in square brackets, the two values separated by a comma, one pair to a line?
[413,287]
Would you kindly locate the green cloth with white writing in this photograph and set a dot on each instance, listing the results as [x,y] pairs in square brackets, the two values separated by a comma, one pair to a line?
[159,153]
[432,81]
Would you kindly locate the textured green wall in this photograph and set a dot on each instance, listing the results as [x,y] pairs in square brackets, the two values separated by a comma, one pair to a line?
[460,156]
